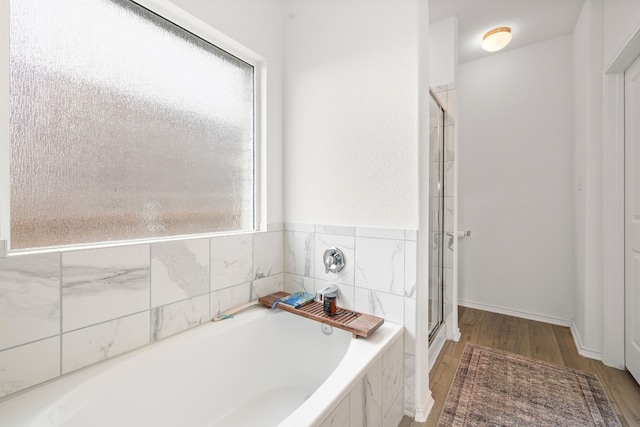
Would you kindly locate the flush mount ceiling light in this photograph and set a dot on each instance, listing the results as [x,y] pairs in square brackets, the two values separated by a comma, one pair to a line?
[496,39]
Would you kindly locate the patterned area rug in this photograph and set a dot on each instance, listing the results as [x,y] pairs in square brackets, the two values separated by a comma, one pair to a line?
[496,388]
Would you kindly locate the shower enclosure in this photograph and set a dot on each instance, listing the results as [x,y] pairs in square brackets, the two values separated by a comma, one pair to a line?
[436,215]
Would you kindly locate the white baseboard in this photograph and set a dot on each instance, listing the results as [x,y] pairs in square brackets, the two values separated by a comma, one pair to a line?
[516,313]
[582,351]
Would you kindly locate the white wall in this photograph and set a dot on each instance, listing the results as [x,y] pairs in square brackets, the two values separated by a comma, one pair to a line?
[621,17]
[443,51]
[515,181]
[351,108]
[356,108]
[259,26]
[587,107]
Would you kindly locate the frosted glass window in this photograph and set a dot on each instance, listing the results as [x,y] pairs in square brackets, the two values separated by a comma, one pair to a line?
[124,126]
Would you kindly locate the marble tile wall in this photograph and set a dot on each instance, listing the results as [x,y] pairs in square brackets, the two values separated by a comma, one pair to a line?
[377,399]
[379,276]
[63,311]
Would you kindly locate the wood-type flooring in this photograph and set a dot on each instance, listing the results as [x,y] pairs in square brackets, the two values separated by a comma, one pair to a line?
[538,340]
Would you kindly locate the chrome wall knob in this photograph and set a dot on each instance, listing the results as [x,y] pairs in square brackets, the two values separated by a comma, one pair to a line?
[333,260]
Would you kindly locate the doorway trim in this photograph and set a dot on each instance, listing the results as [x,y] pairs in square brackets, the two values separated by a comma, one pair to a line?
[613,201]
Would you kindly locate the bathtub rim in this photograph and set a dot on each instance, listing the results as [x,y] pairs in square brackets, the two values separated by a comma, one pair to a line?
[28,406]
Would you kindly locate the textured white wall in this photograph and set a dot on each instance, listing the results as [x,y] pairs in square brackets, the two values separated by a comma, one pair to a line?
[587,106]
[351,108]
[356,110]
[579,56]
[259,26]
[515,180]
[443,52]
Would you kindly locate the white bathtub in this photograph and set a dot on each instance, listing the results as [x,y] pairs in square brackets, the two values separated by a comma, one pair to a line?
[261,368]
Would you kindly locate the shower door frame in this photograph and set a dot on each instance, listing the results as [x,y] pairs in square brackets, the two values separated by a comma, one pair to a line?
[441,225]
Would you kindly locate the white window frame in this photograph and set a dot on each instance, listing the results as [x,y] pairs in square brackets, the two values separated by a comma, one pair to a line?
[190,23]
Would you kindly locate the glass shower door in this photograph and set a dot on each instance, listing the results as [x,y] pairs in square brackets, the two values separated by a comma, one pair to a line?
[436,216]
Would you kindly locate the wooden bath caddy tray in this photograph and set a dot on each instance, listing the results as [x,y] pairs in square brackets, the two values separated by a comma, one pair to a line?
[359,324]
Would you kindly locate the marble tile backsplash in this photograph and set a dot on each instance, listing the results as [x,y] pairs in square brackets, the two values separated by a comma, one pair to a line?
[60,312]
[103,284]
[379,278]
[179,270]
[29,298]
[380,264]
[30,364]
